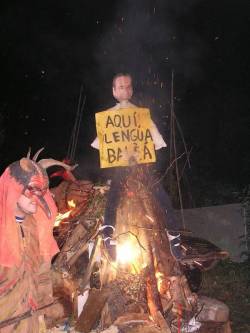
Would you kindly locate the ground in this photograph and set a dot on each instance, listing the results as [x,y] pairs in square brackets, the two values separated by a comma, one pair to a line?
[230,282]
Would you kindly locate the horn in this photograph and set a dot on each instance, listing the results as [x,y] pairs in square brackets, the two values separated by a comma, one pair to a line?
[28,154]
[48,162]
[37,154]
[26,164]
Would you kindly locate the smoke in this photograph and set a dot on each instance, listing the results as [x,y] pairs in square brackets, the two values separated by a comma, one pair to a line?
[148,39]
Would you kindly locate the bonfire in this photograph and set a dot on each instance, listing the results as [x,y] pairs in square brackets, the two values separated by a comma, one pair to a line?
[145,289]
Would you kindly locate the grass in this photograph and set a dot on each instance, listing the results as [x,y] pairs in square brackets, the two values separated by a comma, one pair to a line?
[229,282]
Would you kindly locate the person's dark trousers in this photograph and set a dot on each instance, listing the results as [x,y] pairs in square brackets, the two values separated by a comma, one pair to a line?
[113,198]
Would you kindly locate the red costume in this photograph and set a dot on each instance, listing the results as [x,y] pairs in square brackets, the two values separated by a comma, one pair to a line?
[24,247]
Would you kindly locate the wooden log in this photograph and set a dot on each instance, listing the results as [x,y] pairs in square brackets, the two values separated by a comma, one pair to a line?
[63,287]
[155,305]
[111,329]
[91,235]
[115,306]
[124,302]
[139,328]
[85,281]
[92,310]
[166,267]
[153,297]
[56,313]
[74,257]
[181,294]
[79,234]
[133,317]
[162,323]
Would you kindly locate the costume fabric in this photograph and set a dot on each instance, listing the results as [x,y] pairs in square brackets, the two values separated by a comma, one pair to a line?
[24,246]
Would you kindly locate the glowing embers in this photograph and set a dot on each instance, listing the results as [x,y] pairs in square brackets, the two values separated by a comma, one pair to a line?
[62,216]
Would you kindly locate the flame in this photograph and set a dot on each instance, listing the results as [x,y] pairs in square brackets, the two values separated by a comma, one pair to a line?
[159,277]
[128,254]
[63,216]
[71,204]
[161,282]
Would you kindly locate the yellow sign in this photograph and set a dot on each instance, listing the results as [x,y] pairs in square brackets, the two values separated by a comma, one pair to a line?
[125,137]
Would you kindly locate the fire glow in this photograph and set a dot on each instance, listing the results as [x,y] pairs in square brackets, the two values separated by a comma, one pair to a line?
[71,204]
[160,281]
[128,255]
[61,216]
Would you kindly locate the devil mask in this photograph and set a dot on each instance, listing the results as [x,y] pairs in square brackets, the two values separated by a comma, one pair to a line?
[33,176]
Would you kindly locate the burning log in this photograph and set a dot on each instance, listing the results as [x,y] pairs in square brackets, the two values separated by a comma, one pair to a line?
[145,290]
[71,267]
[83,221]
[154,303]
[139,227]
[86,278]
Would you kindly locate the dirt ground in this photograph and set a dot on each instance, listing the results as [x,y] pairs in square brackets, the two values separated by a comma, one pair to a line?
[230,282]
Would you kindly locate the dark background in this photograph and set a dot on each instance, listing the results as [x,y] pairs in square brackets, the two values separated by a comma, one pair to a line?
[50,48]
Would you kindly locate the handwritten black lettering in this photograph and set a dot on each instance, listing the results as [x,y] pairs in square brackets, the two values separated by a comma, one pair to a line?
[119,154]
[124,123]
[125,135]
[109,122]
[116,136]
[146,153]
[105,139]
[133,135]
[135,120]
[111,155]
[117,120]
[148,135]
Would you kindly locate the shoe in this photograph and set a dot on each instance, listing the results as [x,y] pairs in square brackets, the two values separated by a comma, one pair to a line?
[110,245]
[175,244]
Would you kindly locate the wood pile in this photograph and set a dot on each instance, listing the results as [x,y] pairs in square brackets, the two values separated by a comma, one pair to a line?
[149,294]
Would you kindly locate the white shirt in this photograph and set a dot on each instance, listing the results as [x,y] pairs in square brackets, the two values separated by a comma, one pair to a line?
[157,138]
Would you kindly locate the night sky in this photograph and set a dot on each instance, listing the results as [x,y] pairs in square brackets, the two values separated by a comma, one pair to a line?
[49,49]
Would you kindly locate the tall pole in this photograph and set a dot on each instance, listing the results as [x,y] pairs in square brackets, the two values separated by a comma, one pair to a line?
[173,144]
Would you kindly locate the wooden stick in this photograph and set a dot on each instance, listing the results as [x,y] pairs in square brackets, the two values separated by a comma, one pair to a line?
[90,266]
